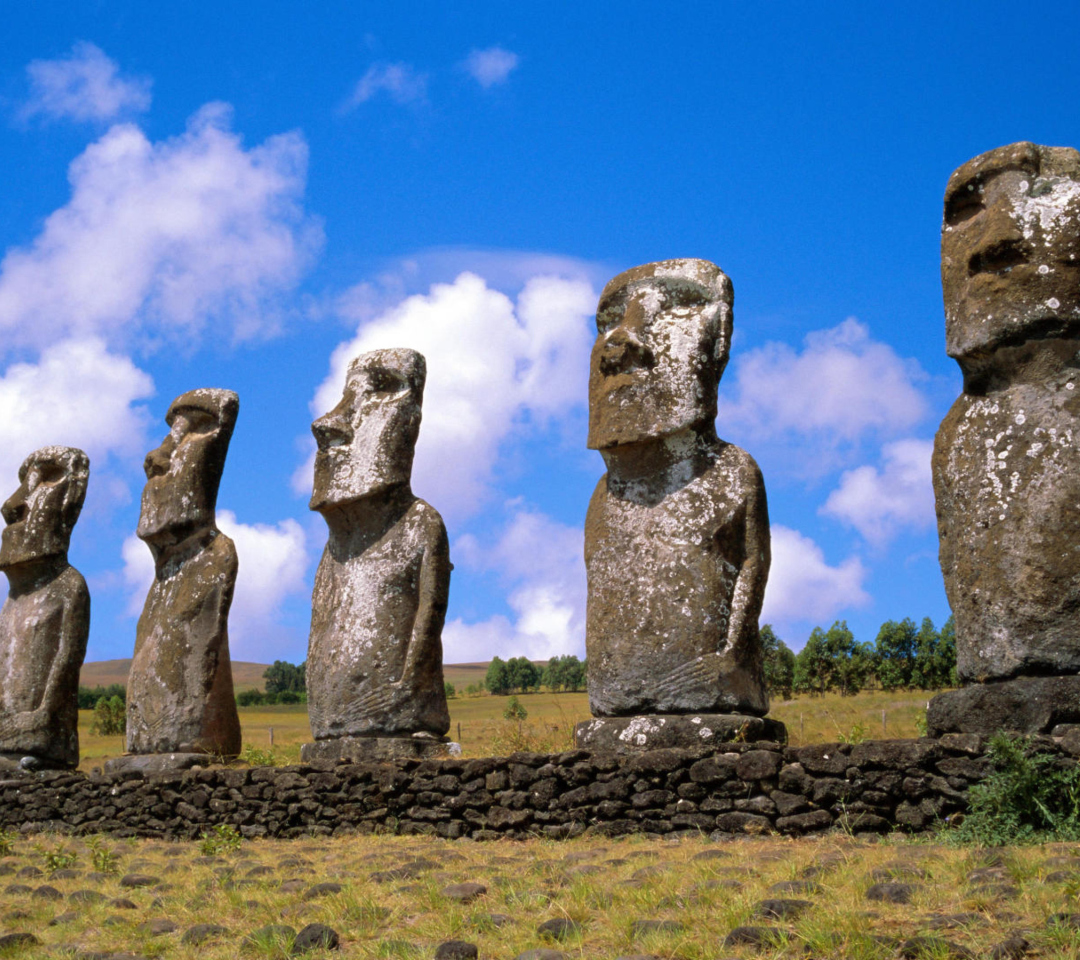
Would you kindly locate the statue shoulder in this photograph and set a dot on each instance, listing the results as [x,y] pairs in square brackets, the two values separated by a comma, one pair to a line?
[732,463]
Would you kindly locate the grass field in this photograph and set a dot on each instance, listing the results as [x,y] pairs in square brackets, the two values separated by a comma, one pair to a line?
[391,897]
[478,723]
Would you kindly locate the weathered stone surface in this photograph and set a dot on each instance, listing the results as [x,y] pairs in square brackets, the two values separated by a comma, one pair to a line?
[180,689]
[654,732]
[677,533]
[1005,466]
[374,664]
[155,762]
[45,620]
[1023,705]
[364,749]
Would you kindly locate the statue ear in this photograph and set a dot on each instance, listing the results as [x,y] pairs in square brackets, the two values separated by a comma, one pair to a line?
[74,496]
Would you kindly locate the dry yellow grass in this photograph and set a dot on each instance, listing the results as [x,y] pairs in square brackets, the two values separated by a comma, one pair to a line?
[702,890]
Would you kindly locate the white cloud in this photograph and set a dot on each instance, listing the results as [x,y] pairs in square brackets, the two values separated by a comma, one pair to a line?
[85,86]
[841,386]
[491,362]
[879,503]
[77,394]
[491,66]
[399,81]
[803,587]
[160,239]
[541,561]
[273,562]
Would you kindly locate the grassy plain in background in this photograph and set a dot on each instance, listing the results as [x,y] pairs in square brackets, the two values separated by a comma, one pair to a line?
[478,723]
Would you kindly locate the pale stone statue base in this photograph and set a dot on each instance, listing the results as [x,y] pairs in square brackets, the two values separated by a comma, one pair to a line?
[1024,705]
[635,734]
[366,749]
[158,762]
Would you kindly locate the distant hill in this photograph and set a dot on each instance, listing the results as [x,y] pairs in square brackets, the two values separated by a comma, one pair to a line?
[249,676]
[101,673]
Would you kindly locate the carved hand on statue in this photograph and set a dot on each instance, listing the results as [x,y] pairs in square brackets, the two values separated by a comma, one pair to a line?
[701,672]
[378,701]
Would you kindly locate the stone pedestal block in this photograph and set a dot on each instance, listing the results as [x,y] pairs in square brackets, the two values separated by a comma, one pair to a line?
[366,749]
[634,734]
[157,762]
[1024,705]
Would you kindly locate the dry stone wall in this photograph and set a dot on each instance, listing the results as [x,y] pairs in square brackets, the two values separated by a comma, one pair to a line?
[872,787]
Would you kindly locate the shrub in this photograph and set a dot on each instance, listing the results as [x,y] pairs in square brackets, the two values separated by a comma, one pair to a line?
[110,717]
[1029,797]
[223,838]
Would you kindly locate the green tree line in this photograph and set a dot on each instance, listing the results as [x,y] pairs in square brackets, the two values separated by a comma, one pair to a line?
[902,656]
[521,675]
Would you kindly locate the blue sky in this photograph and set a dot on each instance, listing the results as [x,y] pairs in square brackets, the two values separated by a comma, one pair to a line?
[237,196]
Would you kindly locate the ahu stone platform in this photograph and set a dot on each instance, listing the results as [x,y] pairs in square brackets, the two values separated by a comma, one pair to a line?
[873,787]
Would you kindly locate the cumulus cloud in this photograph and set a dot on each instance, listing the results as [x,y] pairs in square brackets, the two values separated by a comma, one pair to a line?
[491,66]
[879,503]
[77,394]
[841,386]
[399,81]
[803,587]
[492,362]
[273,562]
[84,86]
[540,562]
[159,239]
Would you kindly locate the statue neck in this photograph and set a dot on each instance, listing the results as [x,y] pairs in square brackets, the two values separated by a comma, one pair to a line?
[34,574]
[171,553]
[659,465]
[1035,361]
[356,525]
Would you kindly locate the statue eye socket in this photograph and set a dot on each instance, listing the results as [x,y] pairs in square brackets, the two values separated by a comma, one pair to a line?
[46,472]
[963,204]
[608,317]
[382,381]
[684,298]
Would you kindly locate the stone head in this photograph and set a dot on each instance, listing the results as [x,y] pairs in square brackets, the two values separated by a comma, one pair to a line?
[663,339]
[1010,250]
[366,443]
[184,473]
[41,514]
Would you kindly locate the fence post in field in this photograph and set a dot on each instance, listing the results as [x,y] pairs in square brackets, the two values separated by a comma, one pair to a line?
[883,728]
[271,736]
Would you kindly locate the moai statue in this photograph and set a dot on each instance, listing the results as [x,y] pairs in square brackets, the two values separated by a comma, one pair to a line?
[45,621]
[180,702]
[1006,465]
[677,531]
[374,667]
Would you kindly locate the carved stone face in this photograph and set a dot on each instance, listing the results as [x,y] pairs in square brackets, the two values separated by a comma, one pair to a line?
[663,336]
[41,514]
[183,474]
[366,443]
[1010,249]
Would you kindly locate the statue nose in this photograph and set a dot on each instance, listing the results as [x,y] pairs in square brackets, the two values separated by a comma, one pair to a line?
[14,508]
[156,463]
[331,430]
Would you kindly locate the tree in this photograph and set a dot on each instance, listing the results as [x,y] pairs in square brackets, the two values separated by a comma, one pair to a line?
[833,660]
[521,674]
[812,665]
[779,663]
[450,689]
[894,653]
[935,656]
[282,677]
[564,673]
[110,717]
[496,680]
